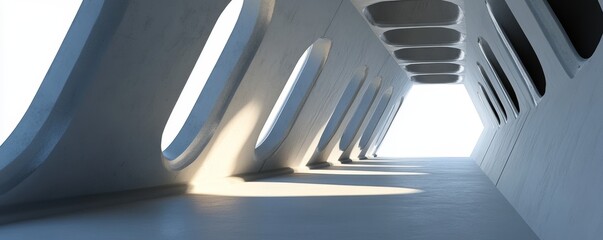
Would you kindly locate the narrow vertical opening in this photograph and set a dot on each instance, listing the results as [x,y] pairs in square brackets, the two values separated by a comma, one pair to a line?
[343,106]
[485,94]
[292,98]
[361,111]
[225,58]
[517,44]
[492,89]
[282,98]
[390,120]
[201,71]
[375,119]
[500,73]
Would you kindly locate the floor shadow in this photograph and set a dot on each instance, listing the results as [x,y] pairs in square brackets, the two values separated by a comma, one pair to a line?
[455,201]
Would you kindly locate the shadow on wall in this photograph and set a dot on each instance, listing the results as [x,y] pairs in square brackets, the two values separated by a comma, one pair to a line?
[223,160]
[232,44]
[220,162]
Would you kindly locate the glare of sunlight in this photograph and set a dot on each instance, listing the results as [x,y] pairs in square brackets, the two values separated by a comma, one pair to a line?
[435,120]
[358,172]
[221,160]
[31,32]
[205,64]
[288,189]
[282,98]
[354,165]
[386,161]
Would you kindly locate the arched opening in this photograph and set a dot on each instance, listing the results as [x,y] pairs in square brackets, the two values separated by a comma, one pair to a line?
[32,33]
[390,120]
[485,94]
[224,60]
[581,22]
[361,110]
[343,106]
[518,45]
[292,98]
[486,79]
[375,119]
[198,78]
[501,76]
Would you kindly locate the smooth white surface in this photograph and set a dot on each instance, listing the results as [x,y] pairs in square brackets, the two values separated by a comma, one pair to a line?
[205,64]
[435,120]
[31,32]
[282,99]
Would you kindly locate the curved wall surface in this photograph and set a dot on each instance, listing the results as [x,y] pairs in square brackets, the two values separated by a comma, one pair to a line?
[544,158]
[100,113]
[531,69]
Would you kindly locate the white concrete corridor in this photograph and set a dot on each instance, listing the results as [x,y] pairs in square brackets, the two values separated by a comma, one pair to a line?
[368,199]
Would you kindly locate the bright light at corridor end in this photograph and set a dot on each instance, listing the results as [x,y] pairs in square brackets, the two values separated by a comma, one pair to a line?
[435,120]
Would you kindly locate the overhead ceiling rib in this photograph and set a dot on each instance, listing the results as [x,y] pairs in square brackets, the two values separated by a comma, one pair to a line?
[425,37]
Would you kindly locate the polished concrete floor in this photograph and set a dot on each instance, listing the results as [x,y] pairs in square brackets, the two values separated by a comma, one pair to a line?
[369,199]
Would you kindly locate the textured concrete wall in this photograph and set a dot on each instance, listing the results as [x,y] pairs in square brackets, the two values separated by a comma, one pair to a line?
[547,161]
[104,104]
[95,125]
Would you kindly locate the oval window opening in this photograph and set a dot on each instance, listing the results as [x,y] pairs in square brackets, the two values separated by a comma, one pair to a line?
[390,120]
[375,119]
[489,102]
[31,32]
[517,44]
[343,106]
[501,76]
[292,97]
[201,71]
[361,111]
[581,21]
[280,102]
[491,87]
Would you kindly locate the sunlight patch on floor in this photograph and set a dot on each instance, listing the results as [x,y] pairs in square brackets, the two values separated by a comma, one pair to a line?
[379,166]
[236,188]
[358,172]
